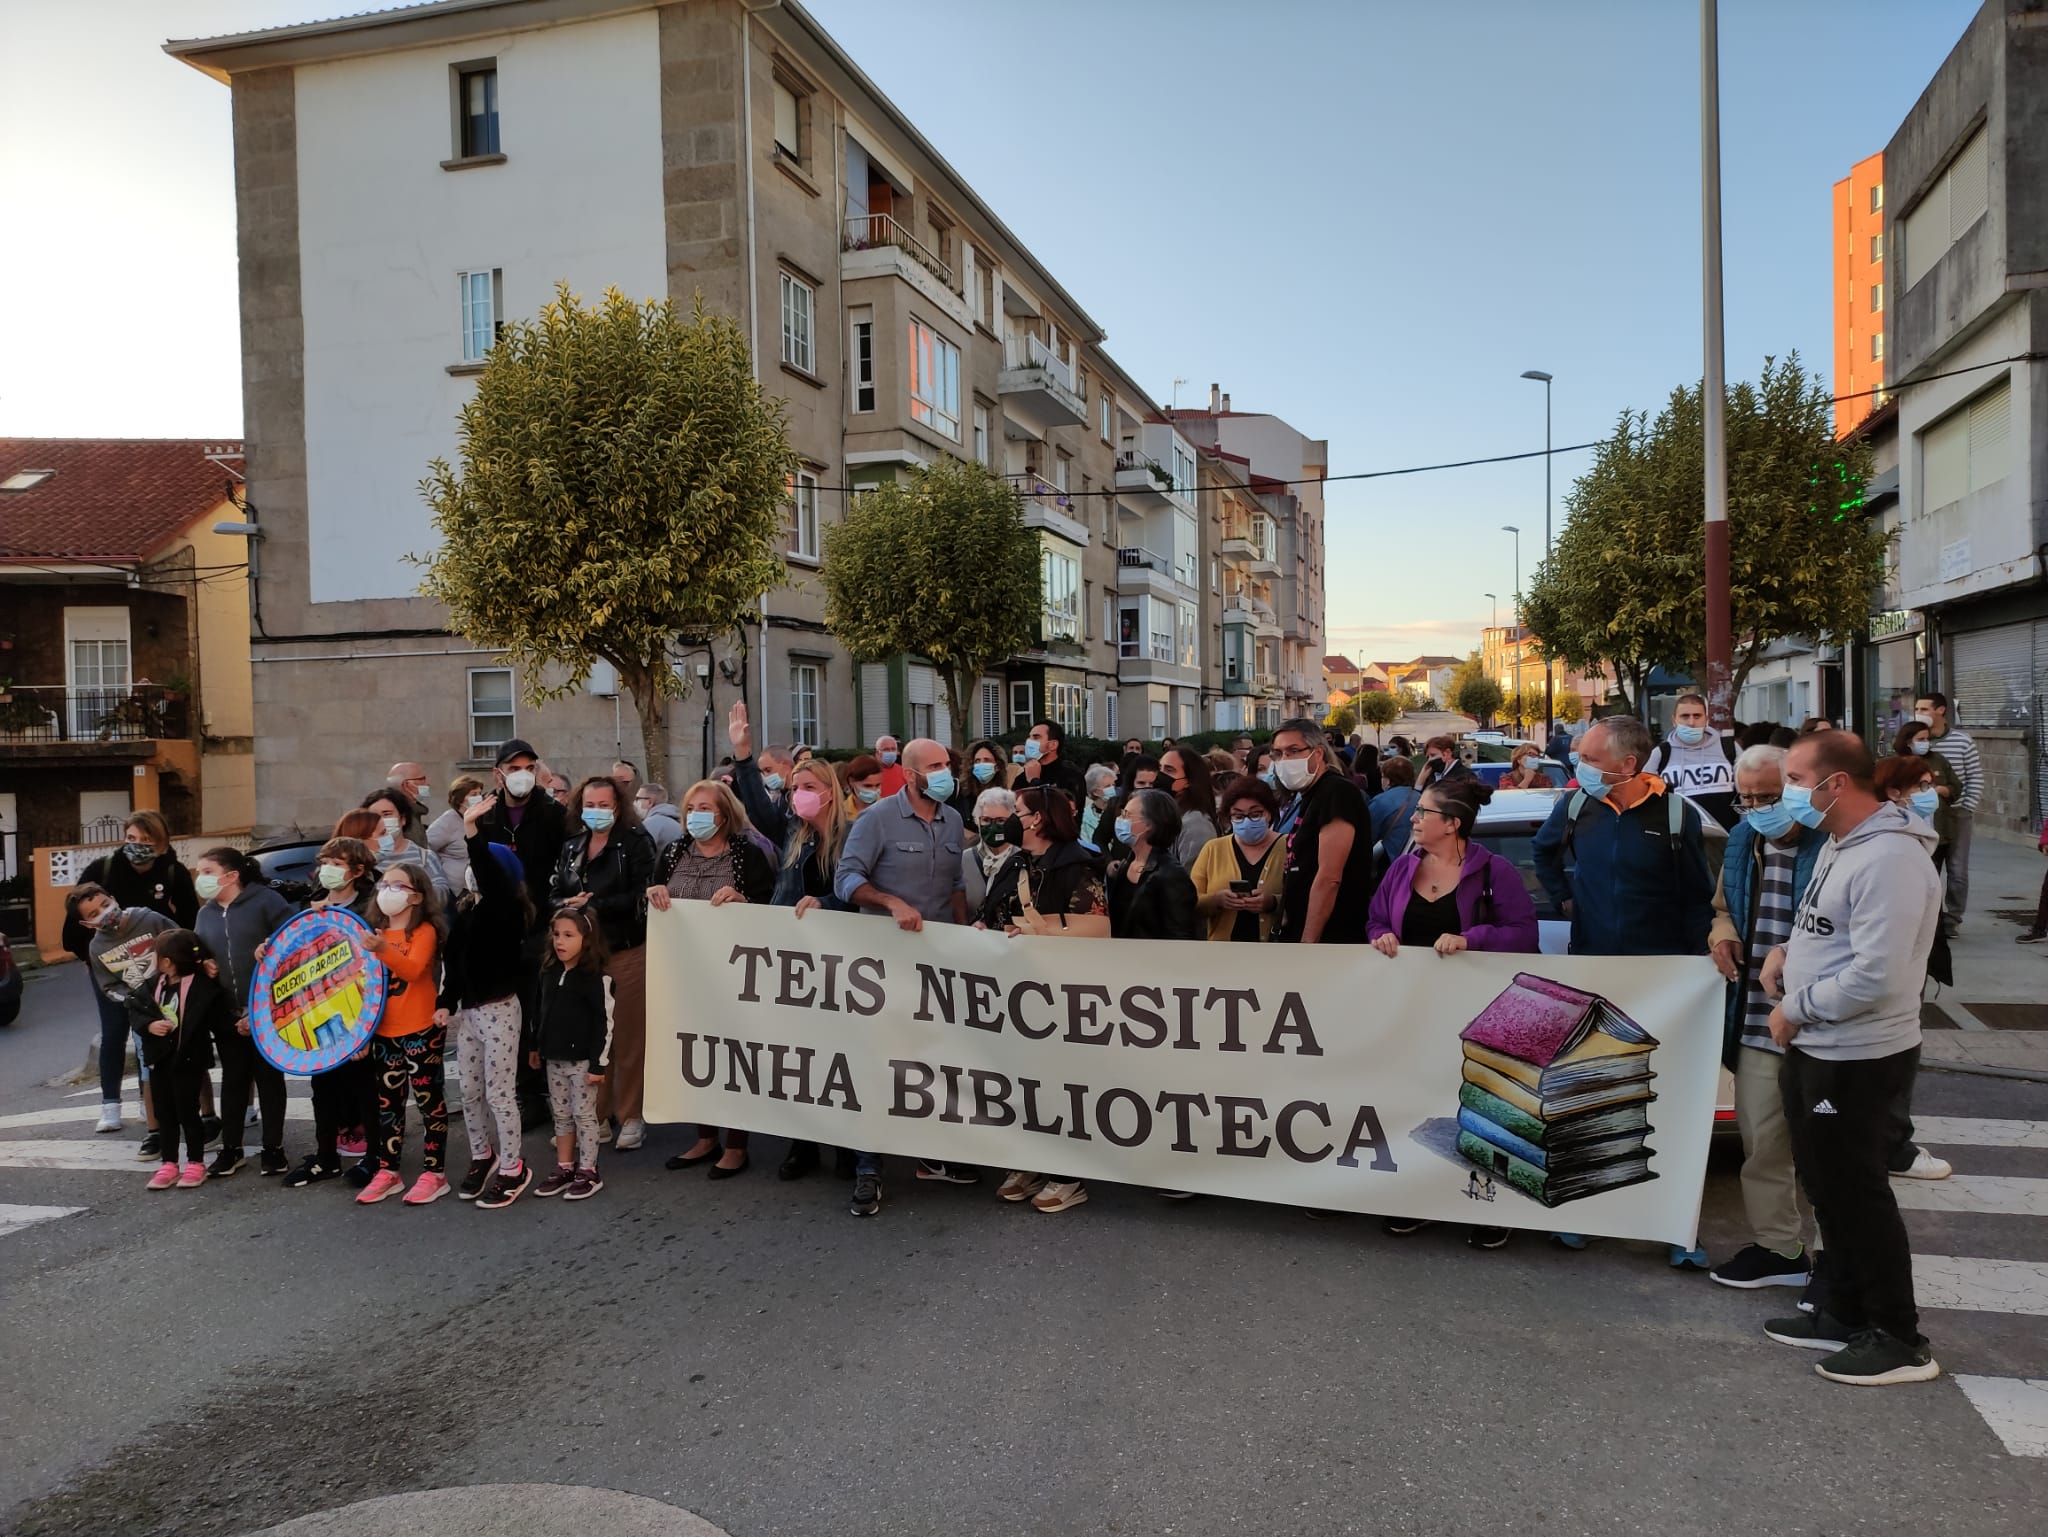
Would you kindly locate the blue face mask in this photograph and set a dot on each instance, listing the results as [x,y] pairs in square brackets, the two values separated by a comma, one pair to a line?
[1926,802]
[939,784]
[598,818]
[700,824]
[386,843]
[771,782]
[1920,745]
[1123,831]
[984,772]
[1771,821]
[867,795]
[1017,758]
[1575,759]
[888,759]
[1798,800]
[1249,829]
[1690,736]
[1593,782]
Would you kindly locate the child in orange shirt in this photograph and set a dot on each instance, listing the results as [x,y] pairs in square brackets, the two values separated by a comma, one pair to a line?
[405,1053]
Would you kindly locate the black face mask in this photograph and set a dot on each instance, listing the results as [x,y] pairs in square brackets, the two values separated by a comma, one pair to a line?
[995,834]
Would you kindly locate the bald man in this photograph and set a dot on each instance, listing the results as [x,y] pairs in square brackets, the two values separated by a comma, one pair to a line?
[412,779]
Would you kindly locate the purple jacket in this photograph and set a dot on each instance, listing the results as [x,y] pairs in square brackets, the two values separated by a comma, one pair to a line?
[1513,929]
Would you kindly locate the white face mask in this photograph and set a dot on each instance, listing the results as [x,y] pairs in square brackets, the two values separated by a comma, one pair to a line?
[519,783]
[391,902]
[1294,773]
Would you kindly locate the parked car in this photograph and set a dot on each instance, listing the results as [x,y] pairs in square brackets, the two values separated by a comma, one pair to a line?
[1508,825]
[10,984]
[1491,774]
[288,865]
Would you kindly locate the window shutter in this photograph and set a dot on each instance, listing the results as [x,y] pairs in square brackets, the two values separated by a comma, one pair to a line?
[1969,185]
[785,120]
[1991,675]
[1945,461]
[874,699]
[1990,416]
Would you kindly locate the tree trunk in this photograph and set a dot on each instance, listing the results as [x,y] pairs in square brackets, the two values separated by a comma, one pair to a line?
[959,683]
[652,708]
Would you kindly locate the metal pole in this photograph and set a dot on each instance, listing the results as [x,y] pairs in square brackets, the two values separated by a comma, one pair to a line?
[1720,639]
[1549,699]
[1517,615]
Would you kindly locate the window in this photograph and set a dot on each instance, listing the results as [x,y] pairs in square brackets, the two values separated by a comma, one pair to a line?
[476,96]
[483,295]
[1067,703]
[1021,713]
[1183,472]
[1967,449]
[1105,404]
[1059,473]
[1158,719]
[934,381]
[1109,711]
[803,703]
[1877,344]
[490,709]
[1876,297]
[1187,720]
[804,534]
[1060,577]
[97,657]
[1876,197]
[1160,630]
[796,322]
[864,362]
[981,435]
[1186,624]
[788,122]
[921,719]
[1087,609]
[1877,248]
[1956,201]
[991,707]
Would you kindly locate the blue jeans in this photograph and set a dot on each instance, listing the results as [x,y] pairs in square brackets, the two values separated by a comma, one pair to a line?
[113,1046]
[867,1163]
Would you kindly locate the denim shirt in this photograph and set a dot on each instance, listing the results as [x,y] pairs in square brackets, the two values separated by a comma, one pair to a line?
[897,851]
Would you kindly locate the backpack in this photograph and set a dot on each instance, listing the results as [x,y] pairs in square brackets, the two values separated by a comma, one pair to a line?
[1671,831]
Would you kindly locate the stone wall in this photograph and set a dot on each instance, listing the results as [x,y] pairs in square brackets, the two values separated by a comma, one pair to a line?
[2012,785]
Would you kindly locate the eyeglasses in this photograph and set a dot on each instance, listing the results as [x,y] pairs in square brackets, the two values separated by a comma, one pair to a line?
[395,886]
[1757,802]
[1292,753]
[1432,811]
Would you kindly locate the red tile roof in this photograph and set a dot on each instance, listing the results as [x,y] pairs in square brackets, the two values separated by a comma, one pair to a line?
[111,501]
[1339,664]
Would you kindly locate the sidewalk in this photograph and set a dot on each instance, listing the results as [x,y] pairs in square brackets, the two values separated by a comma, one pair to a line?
[1999,1006]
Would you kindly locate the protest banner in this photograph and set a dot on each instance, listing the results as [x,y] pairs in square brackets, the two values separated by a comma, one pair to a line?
[317,993]
[1531,1091]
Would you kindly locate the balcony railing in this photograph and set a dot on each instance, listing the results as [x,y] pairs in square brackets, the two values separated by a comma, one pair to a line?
[1138,555]
[143,712]
[880,229]
[1029,351]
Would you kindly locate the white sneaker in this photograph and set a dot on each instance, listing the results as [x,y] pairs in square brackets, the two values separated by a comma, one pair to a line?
[631,1134]
[110,1116]
[1924,1166]
[1059,1195]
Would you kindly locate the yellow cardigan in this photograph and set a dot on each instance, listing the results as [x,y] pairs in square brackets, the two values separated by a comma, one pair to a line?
[1216,867]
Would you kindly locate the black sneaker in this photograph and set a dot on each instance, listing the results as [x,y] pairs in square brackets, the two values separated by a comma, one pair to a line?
[361,1174]
[209,1128]
[1875,1359]
[1818,1330]
[472,1184]
[867,1195]
[947,1173]
[225,1163]
[272,1161]
[1755,1266]
[801,1158]
[151,1146]
[502,1189]
[311,1172]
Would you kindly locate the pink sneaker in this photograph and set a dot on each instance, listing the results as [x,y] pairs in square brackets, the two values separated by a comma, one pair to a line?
[191,1175]
[428,1188]
[385,1183]
[165,1177]
[352,1144]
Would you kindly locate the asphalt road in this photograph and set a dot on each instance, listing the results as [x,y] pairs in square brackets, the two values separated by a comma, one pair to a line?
[225,1359]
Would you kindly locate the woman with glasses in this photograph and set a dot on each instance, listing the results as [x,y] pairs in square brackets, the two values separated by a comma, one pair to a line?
[1524,772]
[1916,741]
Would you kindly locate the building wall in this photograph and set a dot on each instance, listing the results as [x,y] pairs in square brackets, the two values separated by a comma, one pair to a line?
[1859,267]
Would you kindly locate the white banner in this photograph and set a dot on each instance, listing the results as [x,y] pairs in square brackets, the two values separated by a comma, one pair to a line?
[1534,1091]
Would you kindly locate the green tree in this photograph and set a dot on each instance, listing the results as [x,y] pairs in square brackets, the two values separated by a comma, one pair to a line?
[1473,693]
[623,482]
[1568,705]
[1378,710]
[939,566]
[1531,701]
[1343,720]
[1625,585]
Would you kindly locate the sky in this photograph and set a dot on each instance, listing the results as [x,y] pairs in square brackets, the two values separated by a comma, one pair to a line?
[1365,216]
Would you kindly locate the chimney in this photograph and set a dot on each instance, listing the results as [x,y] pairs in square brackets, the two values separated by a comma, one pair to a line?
[1226,403]
[1214,399]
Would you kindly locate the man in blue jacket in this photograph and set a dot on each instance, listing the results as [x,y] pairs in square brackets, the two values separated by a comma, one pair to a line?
[1764,876]
[1623,856]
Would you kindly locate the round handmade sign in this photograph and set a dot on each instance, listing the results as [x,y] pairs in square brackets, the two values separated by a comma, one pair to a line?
[317,993]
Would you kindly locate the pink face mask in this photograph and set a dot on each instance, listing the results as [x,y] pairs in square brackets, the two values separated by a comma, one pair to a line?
[807,803]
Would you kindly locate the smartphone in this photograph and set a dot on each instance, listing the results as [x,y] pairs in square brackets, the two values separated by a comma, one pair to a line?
[1242,888]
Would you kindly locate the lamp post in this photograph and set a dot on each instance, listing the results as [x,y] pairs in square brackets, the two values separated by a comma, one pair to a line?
[1509,528]
[1549,699]
[1713,385]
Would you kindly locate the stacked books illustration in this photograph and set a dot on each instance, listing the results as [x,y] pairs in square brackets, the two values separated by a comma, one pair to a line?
[1556,1092]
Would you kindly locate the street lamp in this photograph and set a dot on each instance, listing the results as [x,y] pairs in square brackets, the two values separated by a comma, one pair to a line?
[1509,528]
[1549,701]
[1496,606]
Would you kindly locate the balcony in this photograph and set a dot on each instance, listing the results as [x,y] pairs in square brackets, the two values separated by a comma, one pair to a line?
[875,245]
[1143,481]
[879,231]
[1142,570]
[1037,389]
[1049,508]
[56,721]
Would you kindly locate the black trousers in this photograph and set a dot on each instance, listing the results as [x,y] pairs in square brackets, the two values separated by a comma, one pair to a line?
[345,1096]
[1844,1121]
[242,1067]
[177,1110]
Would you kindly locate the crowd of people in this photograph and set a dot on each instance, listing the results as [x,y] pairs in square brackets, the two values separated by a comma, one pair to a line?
[513,924]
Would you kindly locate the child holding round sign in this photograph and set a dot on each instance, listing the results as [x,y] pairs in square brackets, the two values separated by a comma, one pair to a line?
[345,1096]
[405,1053]
[573,1036]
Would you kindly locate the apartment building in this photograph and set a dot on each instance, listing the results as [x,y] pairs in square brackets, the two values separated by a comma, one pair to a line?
[1966,343]
[1285,470]
[1859,293]
[409,179]
[1244,606]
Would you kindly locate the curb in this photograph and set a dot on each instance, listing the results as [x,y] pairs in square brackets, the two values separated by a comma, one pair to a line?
[1987,1070]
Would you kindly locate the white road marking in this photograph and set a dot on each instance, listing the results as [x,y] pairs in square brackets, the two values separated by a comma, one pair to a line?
[131,1116]
[1981,1285]
[102,1153]
[2016,1409]
[14,1218]
[1996,1194]
[1968,1131]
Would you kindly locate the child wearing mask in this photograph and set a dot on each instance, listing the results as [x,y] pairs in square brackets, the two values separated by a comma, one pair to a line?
[405,1053]
[179,1011]
[237,916]
[573,1038]
[345,1096]
[119,959]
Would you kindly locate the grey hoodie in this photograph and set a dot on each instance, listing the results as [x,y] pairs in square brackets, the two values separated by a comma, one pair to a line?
[1858,952]
[123,958]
